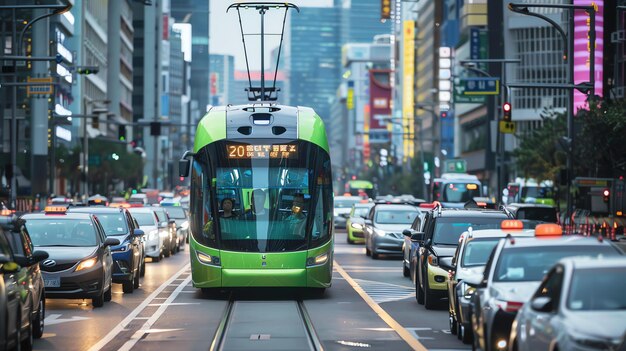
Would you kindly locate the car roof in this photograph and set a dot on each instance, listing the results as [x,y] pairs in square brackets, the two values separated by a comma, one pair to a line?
[399,207]
[564,240]
[42,215]
[364,205]
[593,262]
[465,212]
[141,209]
[500,233]
[523,205]
[95,209]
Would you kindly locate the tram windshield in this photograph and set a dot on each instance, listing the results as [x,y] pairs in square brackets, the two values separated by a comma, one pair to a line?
[263,203]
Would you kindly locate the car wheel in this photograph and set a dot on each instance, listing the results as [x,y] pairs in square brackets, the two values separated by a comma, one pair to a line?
[348,239]
[167,251]
[405,270]
[367,251]
[466,335]
[98,301]
[136,279]
[27,343]
[143,267]
[158,258]
[452,324]
[38,322]
[17,342]
[108,294]
[419,293]
[429,298]
[128,286]
[374,255]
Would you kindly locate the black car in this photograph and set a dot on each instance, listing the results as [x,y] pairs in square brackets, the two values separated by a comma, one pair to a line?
[535,212]
[80,264]
[128,256]
[437,243]
[22,301]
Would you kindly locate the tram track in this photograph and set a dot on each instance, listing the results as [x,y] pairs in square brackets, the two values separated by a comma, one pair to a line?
[265,325]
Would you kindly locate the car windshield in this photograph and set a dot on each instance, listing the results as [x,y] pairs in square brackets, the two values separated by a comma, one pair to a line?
[346,203]
[477,252]
[113,223]
[144,219]
[586,283]
[527,264]
[537,192]
[176,212]
[448,230]
[543,214]
[61,232]
[460,192]
[395,217]
[136,200]
[361,211]
[161,215]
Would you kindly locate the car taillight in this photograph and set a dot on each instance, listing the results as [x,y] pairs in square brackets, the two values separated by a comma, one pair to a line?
[509,306]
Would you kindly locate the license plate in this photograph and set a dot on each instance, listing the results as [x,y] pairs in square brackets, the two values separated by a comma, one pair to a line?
[52,282]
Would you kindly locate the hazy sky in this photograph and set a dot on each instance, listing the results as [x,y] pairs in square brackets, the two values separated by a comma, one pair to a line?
[225,34]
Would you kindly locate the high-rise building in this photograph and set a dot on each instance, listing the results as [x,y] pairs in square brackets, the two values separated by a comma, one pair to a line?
[360,21]
[312,57]
[196,12]
[221,80]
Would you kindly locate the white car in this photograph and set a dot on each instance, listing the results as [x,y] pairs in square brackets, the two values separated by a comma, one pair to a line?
[580,305]
[149,223]
[342,208]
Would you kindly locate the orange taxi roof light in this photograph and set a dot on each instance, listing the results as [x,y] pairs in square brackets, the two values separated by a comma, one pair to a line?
[471,186]
[55,209]
[548,229]
[6,212]
[512,224]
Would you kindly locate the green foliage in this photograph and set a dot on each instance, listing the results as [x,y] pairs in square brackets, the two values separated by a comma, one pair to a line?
[541,154]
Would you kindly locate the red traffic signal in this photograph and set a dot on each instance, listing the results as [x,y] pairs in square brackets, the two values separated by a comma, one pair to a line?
[605,195]
[506,111]
[444,114]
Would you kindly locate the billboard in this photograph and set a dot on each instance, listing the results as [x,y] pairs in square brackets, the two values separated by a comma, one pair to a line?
[582,49]
[408,97]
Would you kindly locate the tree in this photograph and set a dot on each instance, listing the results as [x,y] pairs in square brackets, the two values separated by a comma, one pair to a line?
[112,164]
[541,153]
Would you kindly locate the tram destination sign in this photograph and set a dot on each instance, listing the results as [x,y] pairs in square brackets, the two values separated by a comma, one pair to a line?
[261,151]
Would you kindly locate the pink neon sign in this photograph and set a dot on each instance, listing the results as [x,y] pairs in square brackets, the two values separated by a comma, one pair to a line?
[582,49]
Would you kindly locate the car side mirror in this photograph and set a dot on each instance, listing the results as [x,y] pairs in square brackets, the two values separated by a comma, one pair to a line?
[171,221]
[407,232]
[368,221]
[541,304]
[111,242]
[417,236]
[183,168]
[38,256]
[138,232]
[428,242]
[363,216]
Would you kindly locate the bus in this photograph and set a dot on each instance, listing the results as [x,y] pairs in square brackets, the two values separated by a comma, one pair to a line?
[261,198]
[359,187]
[455,189]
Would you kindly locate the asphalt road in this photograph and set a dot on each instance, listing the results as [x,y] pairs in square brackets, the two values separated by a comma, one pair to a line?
[168,313]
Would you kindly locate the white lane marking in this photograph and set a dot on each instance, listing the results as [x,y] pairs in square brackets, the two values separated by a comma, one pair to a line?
[123,324]
[53,319]
[385,292]
[415,330]
[150,322]
[174,304]
[153,331]
[378,329]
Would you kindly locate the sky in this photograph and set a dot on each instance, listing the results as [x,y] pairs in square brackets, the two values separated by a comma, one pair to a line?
[225,34]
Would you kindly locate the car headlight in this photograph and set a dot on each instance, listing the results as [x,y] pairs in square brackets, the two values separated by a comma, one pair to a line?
[123,248]
[433,260]
[357,226]
[86,264]
[379,232]
[185,225]
[468,291]
[153,235]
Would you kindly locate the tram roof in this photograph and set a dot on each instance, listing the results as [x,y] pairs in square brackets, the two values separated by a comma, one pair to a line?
[260,120]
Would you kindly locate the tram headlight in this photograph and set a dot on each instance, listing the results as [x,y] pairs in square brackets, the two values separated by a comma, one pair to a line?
[208,259]
[317,260]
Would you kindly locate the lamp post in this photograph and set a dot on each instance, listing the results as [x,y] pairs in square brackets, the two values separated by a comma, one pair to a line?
[567,57]
[17,46]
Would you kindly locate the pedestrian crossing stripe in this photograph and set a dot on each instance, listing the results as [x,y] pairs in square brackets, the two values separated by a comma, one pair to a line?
[385,292]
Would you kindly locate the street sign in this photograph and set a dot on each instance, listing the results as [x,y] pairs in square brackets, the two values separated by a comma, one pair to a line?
[461,98]
[507,127]
[481,85]
[39,89]
[455,166]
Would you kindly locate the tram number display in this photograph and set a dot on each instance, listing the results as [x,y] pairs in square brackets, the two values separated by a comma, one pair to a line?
[262,151]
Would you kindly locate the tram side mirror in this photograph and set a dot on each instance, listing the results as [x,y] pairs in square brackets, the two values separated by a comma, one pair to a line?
[183,167]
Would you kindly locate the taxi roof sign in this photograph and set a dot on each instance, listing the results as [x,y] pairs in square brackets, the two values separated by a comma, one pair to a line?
[55,209]
[6,212]
[548,229]
[511,224]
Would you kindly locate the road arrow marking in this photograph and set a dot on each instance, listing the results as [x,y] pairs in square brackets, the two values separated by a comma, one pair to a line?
[53,319]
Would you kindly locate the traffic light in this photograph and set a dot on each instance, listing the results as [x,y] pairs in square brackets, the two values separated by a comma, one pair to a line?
[87,69]
[444,114]
[155,128]
[133,143]
[121,132]
[506,112]
[606,193]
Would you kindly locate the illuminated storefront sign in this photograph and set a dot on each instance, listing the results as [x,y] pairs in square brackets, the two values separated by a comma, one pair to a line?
[582,49]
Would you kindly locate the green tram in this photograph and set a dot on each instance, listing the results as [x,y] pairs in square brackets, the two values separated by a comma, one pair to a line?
[261,199]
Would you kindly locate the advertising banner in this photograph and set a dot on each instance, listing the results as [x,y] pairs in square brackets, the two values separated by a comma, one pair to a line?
[582,49]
